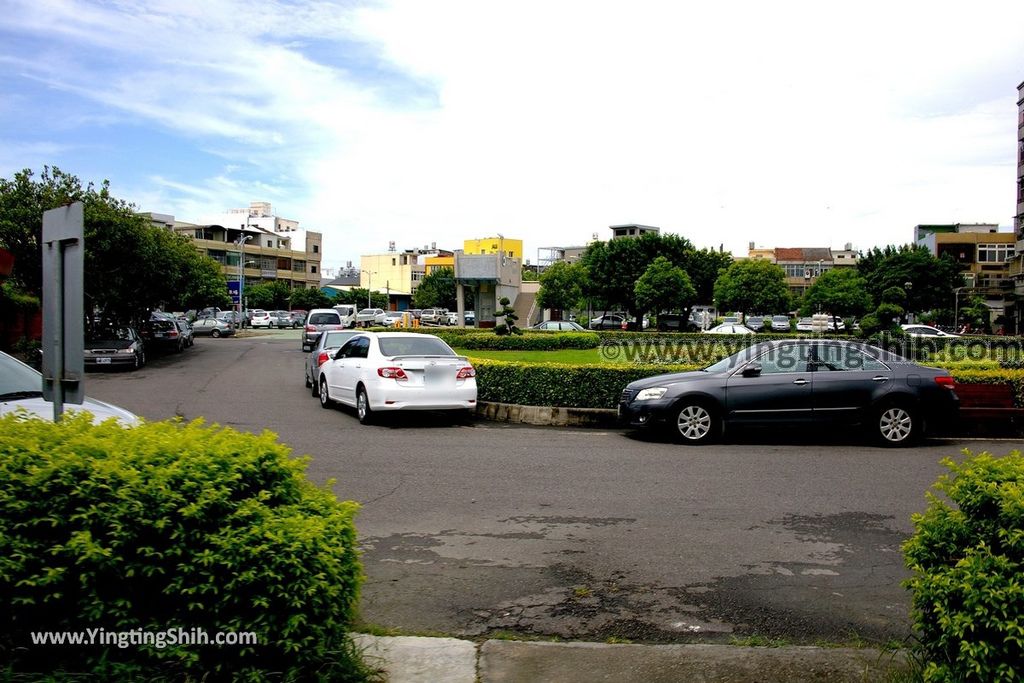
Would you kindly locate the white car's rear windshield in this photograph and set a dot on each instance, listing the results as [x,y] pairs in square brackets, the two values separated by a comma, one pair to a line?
[325,319]
[414,346]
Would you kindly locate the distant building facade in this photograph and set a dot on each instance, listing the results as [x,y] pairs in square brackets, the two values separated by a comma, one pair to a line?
[803,265]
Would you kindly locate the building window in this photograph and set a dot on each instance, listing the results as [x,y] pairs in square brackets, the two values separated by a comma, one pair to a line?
[312,269]
[316,248]
[298,266]
[270,243]
[995,253]
[393,262]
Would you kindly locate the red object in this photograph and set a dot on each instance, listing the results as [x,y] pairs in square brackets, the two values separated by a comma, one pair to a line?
[466,372]
[945,381]
[322,358]
[6,263]
[397,374]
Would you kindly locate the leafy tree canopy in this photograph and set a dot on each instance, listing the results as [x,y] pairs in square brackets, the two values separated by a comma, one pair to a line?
[310,298]
[839,291]
[561,286]
[664,287]
[436,290]
[932,280]
[752,287]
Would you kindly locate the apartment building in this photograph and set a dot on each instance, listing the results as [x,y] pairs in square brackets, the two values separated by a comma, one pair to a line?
[803,265]
[399,273]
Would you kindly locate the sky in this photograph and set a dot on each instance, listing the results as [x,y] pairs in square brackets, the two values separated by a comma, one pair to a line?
[787,124]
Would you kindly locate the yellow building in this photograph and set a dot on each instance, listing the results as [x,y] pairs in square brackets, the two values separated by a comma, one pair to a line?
[437,262]
[394,272]
[494,245]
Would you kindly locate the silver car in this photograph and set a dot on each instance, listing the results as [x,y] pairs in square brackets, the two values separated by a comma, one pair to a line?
[326,345]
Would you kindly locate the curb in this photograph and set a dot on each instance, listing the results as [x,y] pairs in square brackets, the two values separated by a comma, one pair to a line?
[547,415]
[414,659]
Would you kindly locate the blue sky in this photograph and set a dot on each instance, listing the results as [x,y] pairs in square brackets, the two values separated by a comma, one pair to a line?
[786,124]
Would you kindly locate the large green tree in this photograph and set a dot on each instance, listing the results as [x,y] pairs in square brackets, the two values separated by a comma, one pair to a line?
[273,295]
[932,280]
[752,287]
[436,290]
[839,291]
[614,267]
[309,298]
[561,286]
[664,287]
[131,266]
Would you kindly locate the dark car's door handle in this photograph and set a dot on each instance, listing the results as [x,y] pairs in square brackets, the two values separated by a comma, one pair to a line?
[800,382]
[880,378]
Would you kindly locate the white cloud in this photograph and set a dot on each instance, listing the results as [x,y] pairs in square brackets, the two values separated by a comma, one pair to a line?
[789,124]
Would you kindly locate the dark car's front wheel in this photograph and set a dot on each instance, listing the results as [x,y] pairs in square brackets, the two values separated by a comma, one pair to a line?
[695,423]
[896,425]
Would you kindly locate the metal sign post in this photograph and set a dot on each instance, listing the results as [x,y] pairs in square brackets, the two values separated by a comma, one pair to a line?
[63,324]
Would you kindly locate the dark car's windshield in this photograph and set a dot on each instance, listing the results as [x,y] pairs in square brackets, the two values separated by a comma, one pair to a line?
[414,346]
[122,333]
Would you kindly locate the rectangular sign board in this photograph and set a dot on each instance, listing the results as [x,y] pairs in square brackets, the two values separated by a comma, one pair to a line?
[63,304]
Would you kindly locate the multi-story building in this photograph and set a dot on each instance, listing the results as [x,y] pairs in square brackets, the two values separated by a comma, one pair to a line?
[803,265]
[1017,264]
[985,256]
[398,273]
[632,230]
[509,248]
[251,253]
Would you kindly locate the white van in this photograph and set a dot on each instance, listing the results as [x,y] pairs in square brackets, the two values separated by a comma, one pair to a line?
[347,313]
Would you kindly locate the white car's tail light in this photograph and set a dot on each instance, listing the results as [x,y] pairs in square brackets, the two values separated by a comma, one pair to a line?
[397,374]
[322,358]
[466,372]
[310,328]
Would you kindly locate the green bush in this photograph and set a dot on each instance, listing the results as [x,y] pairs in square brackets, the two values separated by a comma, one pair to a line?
[541,341]
[967,556]
[171,526]
[1013,378]
[557,384]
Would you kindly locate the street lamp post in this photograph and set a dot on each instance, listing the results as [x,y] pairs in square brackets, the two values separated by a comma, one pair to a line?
[369,281]
[240,242]
[907,286]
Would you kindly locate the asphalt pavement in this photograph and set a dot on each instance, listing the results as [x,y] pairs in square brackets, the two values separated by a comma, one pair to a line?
[484,530]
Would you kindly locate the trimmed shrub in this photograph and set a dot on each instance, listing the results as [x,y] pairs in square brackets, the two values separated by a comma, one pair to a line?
[967,556]
[540,341]
[170,526]
[558,384]
[1014,378]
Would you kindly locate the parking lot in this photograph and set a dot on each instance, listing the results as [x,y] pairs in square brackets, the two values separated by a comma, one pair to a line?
[473,529]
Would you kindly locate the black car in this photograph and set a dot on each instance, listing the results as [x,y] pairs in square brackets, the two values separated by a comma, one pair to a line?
[796,382]
[161,331]
[114,347]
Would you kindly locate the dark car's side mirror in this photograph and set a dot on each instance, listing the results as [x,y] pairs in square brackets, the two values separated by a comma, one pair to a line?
[752,370]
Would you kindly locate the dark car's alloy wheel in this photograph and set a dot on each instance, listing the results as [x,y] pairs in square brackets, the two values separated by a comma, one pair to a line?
[695,424]
[897,426]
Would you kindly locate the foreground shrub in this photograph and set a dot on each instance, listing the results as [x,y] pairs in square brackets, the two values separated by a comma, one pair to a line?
[171,526]
[968,564]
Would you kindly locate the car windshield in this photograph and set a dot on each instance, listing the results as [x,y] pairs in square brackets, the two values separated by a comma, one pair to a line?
[335,340]
[780,319]
[366,311]
[122,333]
[414,346]
[18,379]
[736,359]
[324,319]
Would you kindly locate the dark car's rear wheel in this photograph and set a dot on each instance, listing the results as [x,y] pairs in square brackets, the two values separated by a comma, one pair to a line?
[695,423]
[896,425]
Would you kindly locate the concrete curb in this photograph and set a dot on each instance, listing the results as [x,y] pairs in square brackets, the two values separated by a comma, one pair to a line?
[547,415]
[426,660]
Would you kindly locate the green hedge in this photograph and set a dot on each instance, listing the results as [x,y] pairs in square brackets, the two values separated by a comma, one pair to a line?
[967,556]
[599,386]
[171,526]
[556,384]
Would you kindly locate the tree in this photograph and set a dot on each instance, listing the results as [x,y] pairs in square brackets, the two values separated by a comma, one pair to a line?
[664,287]
[308,299]
[508,314]
[614,267]
[839,291]
[561,286]
[436,290]
[131,266]
[271,295]
[358,298]
[704,267]
[932,280]
[752,286]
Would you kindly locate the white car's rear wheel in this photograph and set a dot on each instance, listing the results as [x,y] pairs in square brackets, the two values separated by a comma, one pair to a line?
[325,398]
[363,410]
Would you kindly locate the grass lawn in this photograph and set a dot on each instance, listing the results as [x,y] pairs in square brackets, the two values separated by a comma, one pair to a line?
[574,356]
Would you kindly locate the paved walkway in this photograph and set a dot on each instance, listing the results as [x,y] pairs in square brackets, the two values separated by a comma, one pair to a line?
[450,660]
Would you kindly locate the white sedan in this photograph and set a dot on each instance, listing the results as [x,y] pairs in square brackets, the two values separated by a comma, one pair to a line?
[926,331]
[391,371]
[729,328]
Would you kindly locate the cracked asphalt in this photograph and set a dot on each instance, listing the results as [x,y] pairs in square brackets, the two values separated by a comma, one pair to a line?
[581,534]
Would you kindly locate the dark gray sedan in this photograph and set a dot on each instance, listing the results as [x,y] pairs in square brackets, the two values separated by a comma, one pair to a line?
[327,343]
[796,382]
[212,327]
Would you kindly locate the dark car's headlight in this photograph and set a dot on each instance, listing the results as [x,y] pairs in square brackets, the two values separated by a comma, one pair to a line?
[651,394]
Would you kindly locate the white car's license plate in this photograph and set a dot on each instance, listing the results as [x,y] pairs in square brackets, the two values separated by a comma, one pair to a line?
[103,361]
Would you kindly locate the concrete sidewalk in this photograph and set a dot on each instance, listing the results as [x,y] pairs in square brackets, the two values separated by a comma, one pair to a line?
[436,660]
